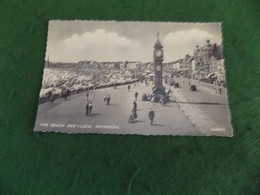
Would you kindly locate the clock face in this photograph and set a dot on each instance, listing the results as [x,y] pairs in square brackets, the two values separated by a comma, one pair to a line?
[158,67]
[158,53]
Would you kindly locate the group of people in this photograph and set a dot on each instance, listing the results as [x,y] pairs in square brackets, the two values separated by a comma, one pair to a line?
[65,95]
[89,103]
[89,106]
[163,99]
[107,99]
[133,115]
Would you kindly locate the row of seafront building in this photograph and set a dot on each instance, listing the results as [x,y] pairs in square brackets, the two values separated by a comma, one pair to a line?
[207,62]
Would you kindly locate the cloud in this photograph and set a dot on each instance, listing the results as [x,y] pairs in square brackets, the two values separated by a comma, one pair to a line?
[103,45]
[178,44]
[98,45]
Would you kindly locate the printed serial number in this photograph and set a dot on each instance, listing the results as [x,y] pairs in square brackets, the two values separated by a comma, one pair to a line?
[218,129]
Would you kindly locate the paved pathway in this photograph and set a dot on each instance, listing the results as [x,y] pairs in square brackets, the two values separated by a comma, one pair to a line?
[69,116]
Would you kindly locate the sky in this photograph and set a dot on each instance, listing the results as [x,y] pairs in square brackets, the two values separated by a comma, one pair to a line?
[103,41]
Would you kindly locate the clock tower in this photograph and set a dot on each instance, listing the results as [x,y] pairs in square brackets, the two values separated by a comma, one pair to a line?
[158,88]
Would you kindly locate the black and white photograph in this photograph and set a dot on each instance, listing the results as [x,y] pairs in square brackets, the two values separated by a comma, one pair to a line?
[142,78]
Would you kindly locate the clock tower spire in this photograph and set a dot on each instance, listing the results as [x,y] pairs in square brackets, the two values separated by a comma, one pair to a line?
[158,88]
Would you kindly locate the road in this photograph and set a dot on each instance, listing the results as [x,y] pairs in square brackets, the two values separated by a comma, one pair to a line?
[69,115]
[189,113]
[206,109]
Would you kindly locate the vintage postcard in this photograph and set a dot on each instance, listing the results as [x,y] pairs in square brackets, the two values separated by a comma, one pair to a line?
[145,78]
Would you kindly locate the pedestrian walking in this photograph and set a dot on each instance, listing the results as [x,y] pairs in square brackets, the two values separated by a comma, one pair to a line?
[86,109]
[108,99]
[130,119]
[67,93]
[134,114]
[128,87]
[134,105]
[153,99]
[105,98]
[87,106]
[90,106]
[164,100]
[136,95]
[151,116]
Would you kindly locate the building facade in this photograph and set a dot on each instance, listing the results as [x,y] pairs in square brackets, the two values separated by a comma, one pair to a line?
[207,61]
